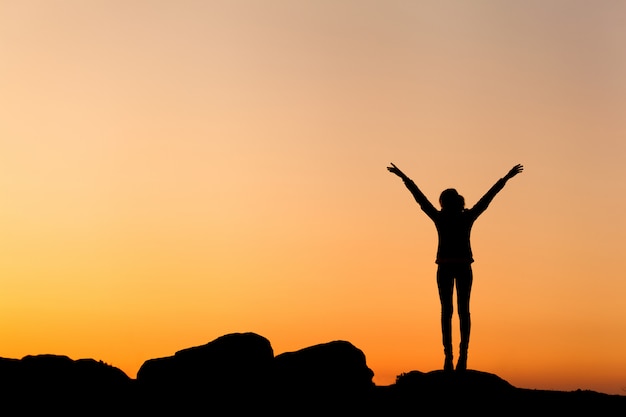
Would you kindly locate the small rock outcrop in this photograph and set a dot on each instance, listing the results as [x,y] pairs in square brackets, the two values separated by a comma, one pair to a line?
[469,381]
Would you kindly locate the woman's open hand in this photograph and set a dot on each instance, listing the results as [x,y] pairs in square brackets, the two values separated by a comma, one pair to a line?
[395,170]
[514,171]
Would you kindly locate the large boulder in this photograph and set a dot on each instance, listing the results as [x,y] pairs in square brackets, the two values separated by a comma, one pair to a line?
[230,369]
[327,375]
[56,382]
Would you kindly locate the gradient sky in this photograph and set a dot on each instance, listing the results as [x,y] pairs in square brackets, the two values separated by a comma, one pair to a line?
[173,171]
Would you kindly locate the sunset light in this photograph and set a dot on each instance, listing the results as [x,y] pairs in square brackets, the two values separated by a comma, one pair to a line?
[176,171]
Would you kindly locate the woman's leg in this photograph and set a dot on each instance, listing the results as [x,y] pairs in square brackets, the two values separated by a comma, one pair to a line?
[464,278]
[445,283]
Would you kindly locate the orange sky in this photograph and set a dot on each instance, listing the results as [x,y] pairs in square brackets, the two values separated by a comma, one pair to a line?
[176,171]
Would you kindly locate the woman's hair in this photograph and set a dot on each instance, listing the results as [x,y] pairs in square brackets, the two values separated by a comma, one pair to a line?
[451,200]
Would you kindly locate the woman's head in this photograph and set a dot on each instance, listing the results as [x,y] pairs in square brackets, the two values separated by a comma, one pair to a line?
[451,200]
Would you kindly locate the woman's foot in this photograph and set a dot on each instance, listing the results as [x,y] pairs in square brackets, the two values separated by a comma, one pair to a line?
[461,365]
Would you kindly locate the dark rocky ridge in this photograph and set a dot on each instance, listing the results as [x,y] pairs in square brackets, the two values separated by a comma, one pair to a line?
[238,374]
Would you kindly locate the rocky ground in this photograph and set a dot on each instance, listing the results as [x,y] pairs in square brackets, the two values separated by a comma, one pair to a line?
[238,374]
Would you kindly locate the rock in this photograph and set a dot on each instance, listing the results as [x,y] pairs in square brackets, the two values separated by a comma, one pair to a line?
[452,392]
[336,369]
[231,369]
[467,381]
[55,382]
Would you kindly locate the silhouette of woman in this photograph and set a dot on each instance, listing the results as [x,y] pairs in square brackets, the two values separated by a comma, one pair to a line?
[454,255]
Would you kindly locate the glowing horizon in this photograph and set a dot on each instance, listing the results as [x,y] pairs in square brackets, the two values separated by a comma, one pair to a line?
[176,172]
